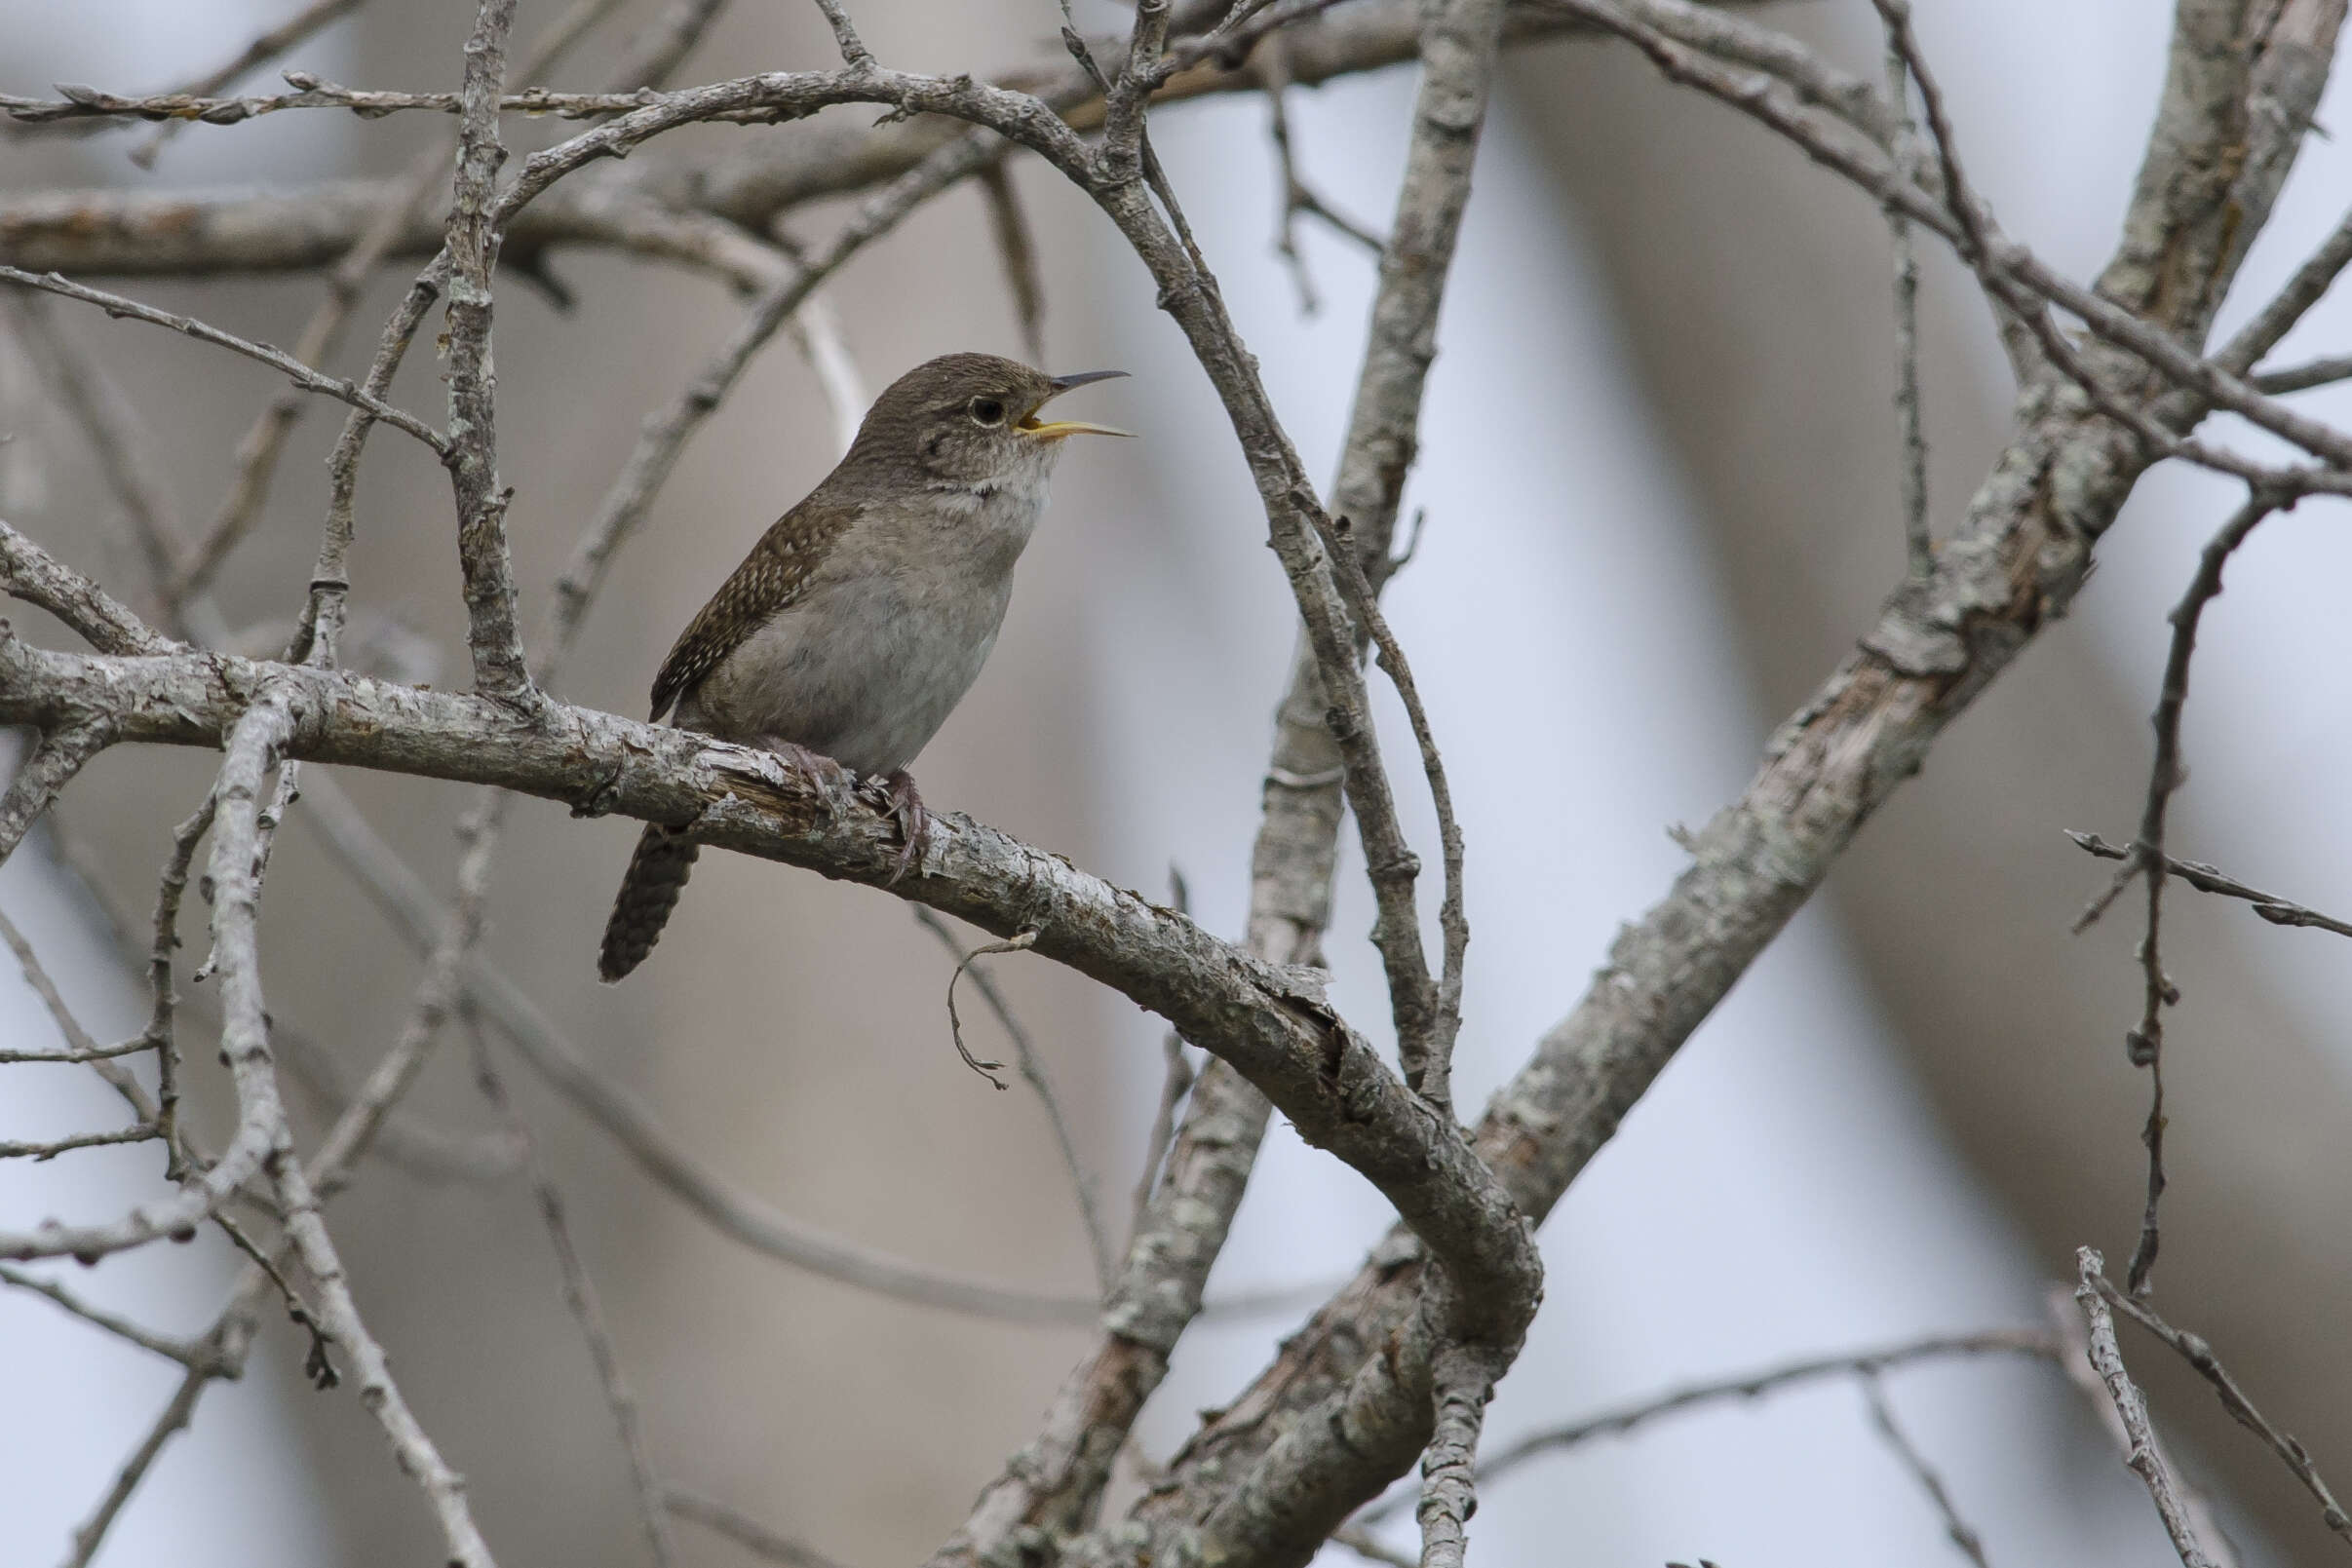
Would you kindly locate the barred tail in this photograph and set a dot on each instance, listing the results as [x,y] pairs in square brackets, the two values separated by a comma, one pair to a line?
[657,875]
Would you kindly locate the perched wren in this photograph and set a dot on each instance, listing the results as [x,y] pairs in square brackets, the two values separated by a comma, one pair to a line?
[860,620]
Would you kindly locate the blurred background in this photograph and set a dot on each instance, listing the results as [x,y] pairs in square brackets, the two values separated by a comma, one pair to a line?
[1659,472]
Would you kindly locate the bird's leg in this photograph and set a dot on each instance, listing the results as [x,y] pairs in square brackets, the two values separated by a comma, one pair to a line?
[897,794]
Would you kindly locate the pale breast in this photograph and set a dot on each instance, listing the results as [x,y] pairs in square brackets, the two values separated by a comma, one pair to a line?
[868,663]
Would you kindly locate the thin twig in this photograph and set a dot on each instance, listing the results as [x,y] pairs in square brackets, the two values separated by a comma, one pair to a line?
[2192,1349]
[2143,1459]
[2212,879]
[1963,1535]
[1017,248]
[317,1365]
[1751,1385]
[854,53]
[580,1297]
[743,1530]
[2014,274]
[2145,1043]
[265,47]
[303,375]
[423,1151]
[172,885]
[1297,197]
[194,1355]
[1918,543]
[173,1419]
[144,1133]
[1429,1069]
[80,1044]
[1018,943]
[1175,1083]
[1032,1068]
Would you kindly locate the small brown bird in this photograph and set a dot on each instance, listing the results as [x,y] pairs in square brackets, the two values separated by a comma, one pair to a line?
[860,620]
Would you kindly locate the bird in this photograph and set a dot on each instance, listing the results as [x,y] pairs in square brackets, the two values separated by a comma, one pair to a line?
[861,617]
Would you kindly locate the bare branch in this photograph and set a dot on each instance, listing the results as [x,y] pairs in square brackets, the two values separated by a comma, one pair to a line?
[289,34]
[472,246]
[2211,879]
[2144,1461]
[1429,1069]
[261,730]
[110,425]
[59,755]
[144,1133]
[170,885]
[2145,1041]
[1963,1535]
[1174,1083]
[173,1419]
[2192,1349]
[114,231]
[2303,377]
[195,1355]
[663,46]
[1017,250]
[303,375]
[1032,1069]
[421,1149]
[1918,542]
[743,1530]
[1462,1382]
[2015,562]
[580,1296]
[32,574]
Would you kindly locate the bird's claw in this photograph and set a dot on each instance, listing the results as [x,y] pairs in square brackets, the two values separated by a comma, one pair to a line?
[895,794]
[832,779]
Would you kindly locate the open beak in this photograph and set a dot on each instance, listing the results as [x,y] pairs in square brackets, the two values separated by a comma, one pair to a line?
[1056,429]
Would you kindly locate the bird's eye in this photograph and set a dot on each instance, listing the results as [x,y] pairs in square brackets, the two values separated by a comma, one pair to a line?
[988,411]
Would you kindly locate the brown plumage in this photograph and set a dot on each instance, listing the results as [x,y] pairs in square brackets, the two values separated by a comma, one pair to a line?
[862,615]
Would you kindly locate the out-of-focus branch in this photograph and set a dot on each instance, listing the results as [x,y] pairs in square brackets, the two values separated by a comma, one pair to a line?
[1907,1453]
[193,1355]
[117,232]
[1032,1069]
[303,375]
[587,1310]
[288,35]
[743,1530]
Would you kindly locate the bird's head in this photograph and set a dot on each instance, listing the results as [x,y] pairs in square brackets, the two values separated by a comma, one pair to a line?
[972,419]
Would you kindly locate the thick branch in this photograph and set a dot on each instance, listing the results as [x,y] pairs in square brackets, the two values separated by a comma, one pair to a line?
[1272,1023]
[2014,564]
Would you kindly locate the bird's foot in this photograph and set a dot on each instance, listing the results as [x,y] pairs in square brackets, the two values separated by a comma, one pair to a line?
[832,779]
[897,794]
